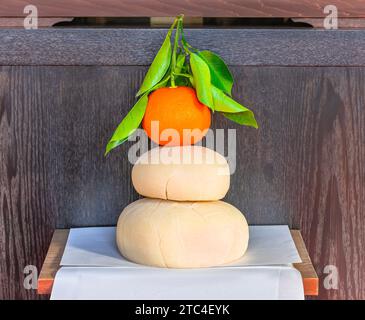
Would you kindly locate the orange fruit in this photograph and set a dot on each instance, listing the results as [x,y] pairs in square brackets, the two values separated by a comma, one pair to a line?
[181,118]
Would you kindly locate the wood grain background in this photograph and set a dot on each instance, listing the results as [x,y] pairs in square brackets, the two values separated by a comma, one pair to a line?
[201,8]
[303,167]
[130,46]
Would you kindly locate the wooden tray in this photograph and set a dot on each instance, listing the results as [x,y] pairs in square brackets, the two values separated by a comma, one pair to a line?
[52,263]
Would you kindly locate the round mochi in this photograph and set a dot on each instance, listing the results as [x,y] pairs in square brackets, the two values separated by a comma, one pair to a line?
[171,234]
[187,173]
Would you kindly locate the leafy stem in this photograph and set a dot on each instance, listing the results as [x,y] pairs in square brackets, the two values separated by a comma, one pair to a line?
[183,75]
[173,26]
[178,20]
[187,47]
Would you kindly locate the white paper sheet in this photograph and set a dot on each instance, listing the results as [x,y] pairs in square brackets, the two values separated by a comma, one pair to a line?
[118,283]
[268,245]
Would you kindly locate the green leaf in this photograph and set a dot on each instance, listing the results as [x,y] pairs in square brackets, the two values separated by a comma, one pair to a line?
[113,144]
[221,77]
[224,103]
[232,109]
[159,66]
[246,118]
[129,124]
[163,83]
[201,75]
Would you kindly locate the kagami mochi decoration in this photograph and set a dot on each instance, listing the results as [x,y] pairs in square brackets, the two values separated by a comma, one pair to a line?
[180,90]
[181,223]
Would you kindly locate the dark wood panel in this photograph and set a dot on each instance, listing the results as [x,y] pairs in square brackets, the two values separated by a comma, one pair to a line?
[204,8]
[303,167]
[90,189]
[27,208]
[258,47]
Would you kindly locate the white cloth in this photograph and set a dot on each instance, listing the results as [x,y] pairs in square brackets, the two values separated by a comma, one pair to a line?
[92,268]
[238,283]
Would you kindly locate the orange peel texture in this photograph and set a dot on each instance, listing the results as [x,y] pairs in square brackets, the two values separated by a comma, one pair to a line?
[175,116]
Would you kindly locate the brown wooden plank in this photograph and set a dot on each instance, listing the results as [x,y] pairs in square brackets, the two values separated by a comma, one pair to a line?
[52,261]
[19,22]
[309,275]
[59,239]
[203,8]
[343,23]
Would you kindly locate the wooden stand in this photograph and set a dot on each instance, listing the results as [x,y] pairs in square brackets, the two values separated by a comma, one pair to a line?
[52,263]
